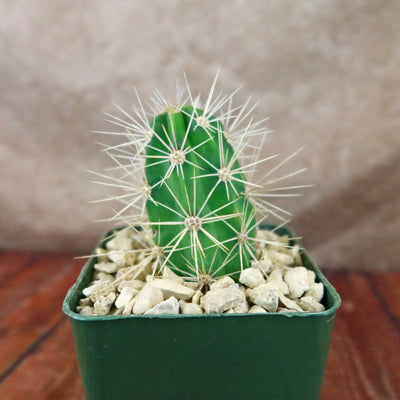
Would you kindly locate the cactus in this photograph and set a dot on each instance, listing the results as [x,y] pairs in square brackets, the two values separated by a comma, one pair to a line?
[186,164]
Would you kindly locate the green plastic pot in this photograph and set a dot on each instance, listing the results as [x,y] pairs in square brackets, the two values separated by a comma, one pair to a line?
[246,356]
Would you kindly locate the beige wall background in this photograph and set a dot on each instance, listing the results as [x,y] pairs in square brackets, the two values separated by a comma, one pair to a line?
[327,73]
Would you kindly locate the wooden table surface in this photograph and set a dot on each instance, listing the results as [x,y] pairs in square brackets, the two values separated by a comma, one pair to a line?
[37,358]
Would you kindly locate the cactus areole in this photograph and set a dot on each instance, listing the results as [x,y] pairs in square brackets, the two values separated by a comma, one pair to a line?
[197,204]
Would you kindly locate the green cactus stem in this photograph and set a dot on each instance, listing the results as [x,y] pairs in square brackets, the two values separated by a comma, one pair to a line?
[198,209]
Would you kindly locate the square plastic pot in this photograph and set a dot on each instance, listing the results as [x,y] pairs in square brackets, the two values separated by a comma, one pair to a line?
[278,356]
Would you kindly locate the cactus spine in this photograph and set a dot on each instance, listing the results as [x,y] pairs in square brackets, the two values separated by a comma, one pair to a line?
[185,165]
